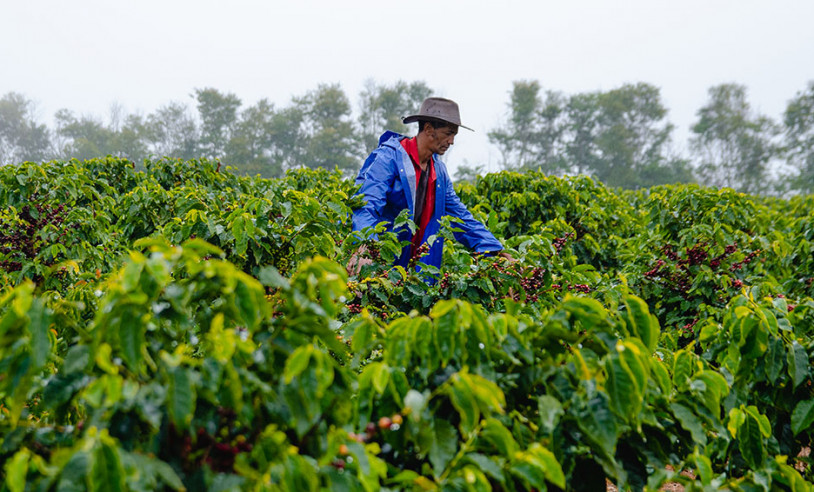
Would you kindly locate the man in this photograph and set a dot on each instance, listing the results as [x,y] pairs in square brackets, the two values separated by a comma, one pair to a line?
[407,173]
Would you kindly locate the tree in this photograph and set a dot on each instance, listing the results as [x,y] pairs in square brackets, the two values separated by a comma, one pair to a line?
[732,145]
[532,136]
[171,132]
[383,106]
[267,141]
[252,139]
[131,138]
[581,132]
[21,138]
[518,137]
[85,137]
[631,137]
[469,173]
[328,133]
[798,121]
[218,113]
[619,136]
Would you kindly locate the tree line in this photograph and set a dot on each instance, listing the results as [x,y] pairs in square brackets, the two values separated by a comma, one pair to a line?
[621,136]
[316,129]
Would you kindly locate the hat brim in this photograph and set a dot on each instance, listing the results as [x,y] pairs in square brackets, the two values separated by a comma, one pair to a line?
[415,117]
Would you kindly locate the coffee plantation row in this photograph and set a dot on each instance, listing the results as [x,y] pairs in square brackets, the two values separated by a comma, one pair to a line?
[185,328]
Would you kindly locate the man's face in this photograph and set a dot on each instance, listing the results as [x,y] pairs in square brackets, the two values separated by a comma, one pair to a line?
[442,138]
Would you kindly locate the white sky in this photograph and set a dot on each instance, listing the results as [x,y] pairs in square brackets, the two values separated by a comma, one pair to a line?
[86,54]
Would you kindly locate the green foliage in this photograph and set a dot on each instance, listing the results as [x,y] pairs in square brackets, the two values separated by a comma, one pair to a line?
[733,146]
[619,136]
[798,121]
[21,138]
[185,328]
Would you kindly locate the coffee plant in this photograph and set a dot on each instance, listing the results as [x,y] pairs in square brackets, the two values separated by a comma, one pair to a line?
[181,327]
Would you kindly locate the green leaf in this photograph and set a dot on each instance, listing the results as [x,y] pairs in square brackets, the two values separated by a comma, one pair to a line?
[446,329]
[715,388]
[704,467]
[443,446]
[799,369]
[16,470]
[750,442]
[376,374]
[76,474]
[108,473]
[38,326]
[640,322]
[488,465]
[775,358]
[597,422]
[499,436]
[132,272]
[415,403]
[626,379]
[131,337]
[270,277]
[763,421]
[362,334]
[690,422]
[297,363]
[803,416]
[249,299]
[168,475]
[78,358]
[536,465]
[181,397]
[465,402]
[682,369]
[550,410]
[661,376]
[239,232]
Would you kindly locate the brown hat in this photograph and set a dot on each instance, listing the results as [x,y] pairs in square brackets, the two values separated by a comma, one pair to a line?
[438,109]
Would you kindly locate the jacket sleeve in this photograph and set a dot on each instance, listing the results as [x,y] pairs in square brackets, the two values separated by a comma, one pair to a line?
[475,236]
[376,177]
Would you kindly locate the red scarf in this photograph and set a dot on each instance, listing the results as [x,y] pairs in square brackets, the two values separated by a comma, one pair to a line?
[411,147]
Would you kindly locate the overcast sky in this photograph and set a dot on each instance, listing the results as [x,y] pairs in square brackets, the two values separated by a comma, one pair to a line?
[84,55]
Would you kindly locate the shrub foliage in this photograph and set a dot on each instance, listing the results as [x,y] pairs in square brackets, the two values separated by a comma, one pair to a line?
[184,328]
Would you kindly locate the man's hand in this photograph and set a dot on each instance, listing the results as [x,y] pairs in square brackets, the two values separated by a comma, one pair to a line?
[356,261]
[504,254]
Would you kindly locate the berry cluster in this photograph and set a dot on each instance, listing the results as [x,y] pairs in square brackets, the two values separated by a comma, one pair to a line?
[679,278]
[695,255]
[689,327]
[218,451]
[559,242]
[373,251]
[655,271]
[419,253]
[533,280]
[21,241]
[384,424]
[667,250]
[748,259]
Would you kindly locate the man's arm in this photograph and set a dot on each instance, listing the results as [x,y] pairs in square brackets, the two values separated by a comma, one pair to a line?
[376,177]
[475,236]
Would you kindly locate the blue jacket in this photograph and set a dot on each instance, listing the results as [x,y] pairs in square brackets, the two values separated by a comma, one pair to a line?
[388,184]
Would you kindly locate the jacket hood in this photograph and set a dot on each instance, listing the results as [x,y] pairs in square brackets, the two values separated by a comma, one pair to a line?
[390,135]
